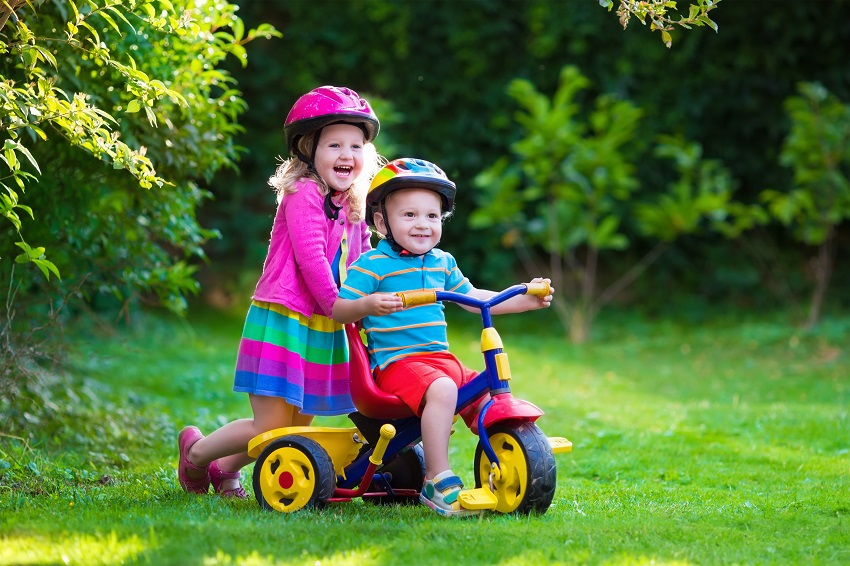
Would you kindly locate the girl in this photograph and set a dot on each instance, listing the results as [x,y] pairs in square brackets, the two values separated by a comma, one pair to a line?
[293,358]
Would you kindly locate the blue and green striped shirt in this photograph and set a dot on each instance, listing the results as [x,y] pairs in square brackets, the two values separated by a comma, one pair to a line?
[414,330]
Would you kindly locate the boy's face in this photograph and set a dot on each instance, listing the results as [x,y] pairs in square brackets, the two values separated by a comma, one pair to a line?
[415,217]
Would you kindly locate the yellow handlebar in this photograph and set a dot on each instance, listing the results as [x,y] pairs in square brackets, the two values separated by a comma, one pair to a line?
[413,298]
[539,288]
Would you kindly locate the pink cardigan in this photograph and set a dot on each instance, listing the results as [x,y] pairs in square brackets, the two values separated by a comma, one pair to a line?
[303,243]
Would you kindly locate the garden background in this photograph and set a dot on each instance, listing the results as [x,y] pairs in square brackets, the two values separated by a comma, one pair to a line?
[691,203]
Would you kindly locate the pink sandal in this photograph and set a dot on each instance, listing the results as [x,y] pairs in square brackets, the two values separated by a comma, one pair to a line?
[217,477]
[185,440]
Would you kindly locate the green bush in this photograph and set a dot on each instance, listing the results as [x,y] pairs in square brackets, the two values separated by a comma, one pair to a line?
[111,112]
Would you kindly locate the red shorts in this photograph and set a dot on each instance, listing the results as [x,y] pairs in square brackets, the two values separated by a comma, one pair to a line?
[408,378]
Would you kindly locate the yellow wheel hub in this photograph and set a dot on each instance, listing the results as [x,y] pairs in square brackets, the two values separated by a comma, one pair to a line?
[287,479]
[510,484]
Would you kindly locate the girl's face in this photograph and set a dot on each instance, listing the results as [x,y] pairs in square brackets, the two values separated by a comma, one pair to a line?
[415,217]
[339,155]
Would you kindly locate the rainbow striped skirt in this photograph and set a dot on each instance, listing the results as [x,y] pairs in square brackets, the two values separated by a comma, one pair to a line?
[304,360]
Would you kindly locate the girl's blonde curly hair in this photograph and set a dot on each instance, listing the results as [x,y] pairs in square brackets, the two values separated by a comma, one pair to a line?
[293,169]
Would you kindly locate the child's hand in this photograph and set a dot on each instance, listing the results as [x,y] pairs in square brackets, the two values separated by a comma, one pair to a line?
[380,304]
[542,302]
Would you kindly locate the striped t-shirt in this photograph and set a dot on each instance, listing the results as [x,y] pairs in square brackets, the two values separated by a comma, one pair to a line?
[414,330]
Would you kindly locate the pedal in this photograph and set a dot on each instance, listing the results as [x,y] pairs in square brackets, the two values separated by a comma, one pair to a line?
[560,444]
[478,498]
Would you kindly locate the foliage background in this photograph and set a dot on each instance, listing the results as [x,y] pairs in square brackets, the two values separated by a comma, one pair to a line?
[757,407]
[438,73]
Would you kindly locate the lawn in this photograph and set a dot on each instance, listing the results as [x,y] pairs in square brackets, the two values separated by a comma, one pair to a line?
[719,442]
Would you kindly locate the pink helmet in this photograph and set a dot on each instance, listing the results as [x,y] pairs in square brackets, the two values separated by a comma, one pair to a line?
[327,105]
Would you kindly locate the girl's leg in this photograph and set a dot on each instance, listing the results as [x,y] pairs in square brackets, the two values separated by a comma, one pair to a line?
[437,415]
[229,443]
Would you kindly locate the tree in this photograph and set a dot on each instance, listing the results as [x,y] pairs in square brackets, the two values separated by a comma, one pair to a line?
[659,14]
[571,187]
[817,148]
[110,113]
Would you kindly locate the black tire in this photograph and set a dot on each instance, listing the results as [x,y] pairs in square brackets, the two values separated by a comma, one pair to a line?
[528,468]
[291,473]
[407,471]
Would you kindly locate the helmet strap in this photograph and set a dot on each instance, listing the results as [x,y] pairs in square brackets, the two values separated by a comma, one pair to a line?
[331,210]
[315,148]
[310,161]
[298,154]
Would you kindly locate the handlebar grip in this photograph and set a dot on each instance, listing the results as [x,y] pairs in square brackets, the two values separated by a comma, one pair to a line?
[413,298]
[539,288]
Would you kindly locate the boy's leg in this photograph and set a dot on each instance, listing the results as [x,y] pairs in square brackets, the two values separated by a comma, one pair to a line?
[437,415]
[442,486]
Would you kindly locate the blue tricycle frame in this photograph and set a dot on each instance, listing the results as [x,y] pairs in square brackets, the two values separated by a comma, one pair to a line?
[380,459]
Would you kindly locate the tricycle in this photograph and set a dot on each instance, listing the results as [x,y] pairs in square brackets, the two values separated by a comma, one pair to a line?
[380,458]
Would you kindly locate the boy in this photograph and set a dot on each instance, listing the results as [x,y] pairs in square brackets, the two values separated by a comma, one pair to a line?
[408,349]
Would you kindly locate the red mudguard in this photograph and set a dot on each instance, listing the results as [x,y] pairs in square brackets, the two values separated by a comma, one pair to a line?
[506,407]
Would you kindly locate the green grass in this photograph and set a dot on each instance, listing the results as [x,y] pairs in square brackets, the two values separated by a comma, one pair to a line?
[720,443]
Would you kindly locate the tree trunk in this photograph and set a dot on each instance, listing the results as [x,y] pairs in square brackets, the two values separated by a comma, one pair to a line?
[580,324]
[8,9]
[823,273]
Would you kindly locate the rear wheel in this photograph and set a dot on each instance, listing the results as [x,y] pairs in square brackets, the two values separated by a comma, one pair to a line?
[527,480]
[293,472]
[405,471]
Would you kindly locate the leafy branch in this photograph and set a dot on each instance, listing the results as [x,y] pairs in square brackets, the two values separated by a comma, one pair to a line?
[32,99]
[663,15]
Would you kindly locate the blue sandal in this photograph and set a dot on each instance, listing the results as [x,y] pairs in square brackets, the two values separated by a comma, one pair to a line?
[442,496]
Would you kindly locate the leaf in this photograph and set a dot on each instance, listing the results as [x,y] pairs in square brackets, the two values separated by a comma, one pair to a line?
[708,21]
[120,15]
[26,209]
[30,56]
[151,116]
[10,159]
[92,31]
[47,267]
[38,131]
[110,21]
[75,10]
[29,156]
[134,106]
[238,29]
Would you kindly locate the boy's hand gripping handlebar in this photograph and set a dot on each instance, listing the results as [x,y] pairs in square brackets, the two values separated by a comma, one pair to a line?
[413,298]
[539,288]
[426,297]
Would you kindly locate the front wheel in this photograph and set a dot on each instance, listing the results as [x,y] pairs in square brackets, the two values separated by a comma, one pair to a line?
[528,475]
[293,472]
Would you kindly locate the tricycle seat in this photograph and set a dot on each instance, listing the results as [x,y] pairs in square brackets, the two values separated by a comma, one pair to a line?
[368,399]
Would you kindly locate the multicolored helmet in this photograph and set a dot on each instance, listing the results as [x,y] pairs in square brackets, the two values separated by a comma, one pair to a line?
[327,105]
[409,173]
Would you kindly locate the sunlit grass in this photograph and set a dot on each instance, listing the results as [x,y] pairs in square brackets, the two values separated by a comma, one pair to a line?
[722,443]
[106,548]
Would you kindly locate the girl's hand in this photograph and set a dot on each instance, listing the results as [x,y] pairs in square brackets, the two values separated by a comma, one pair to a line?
[380,304]
[542,302]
